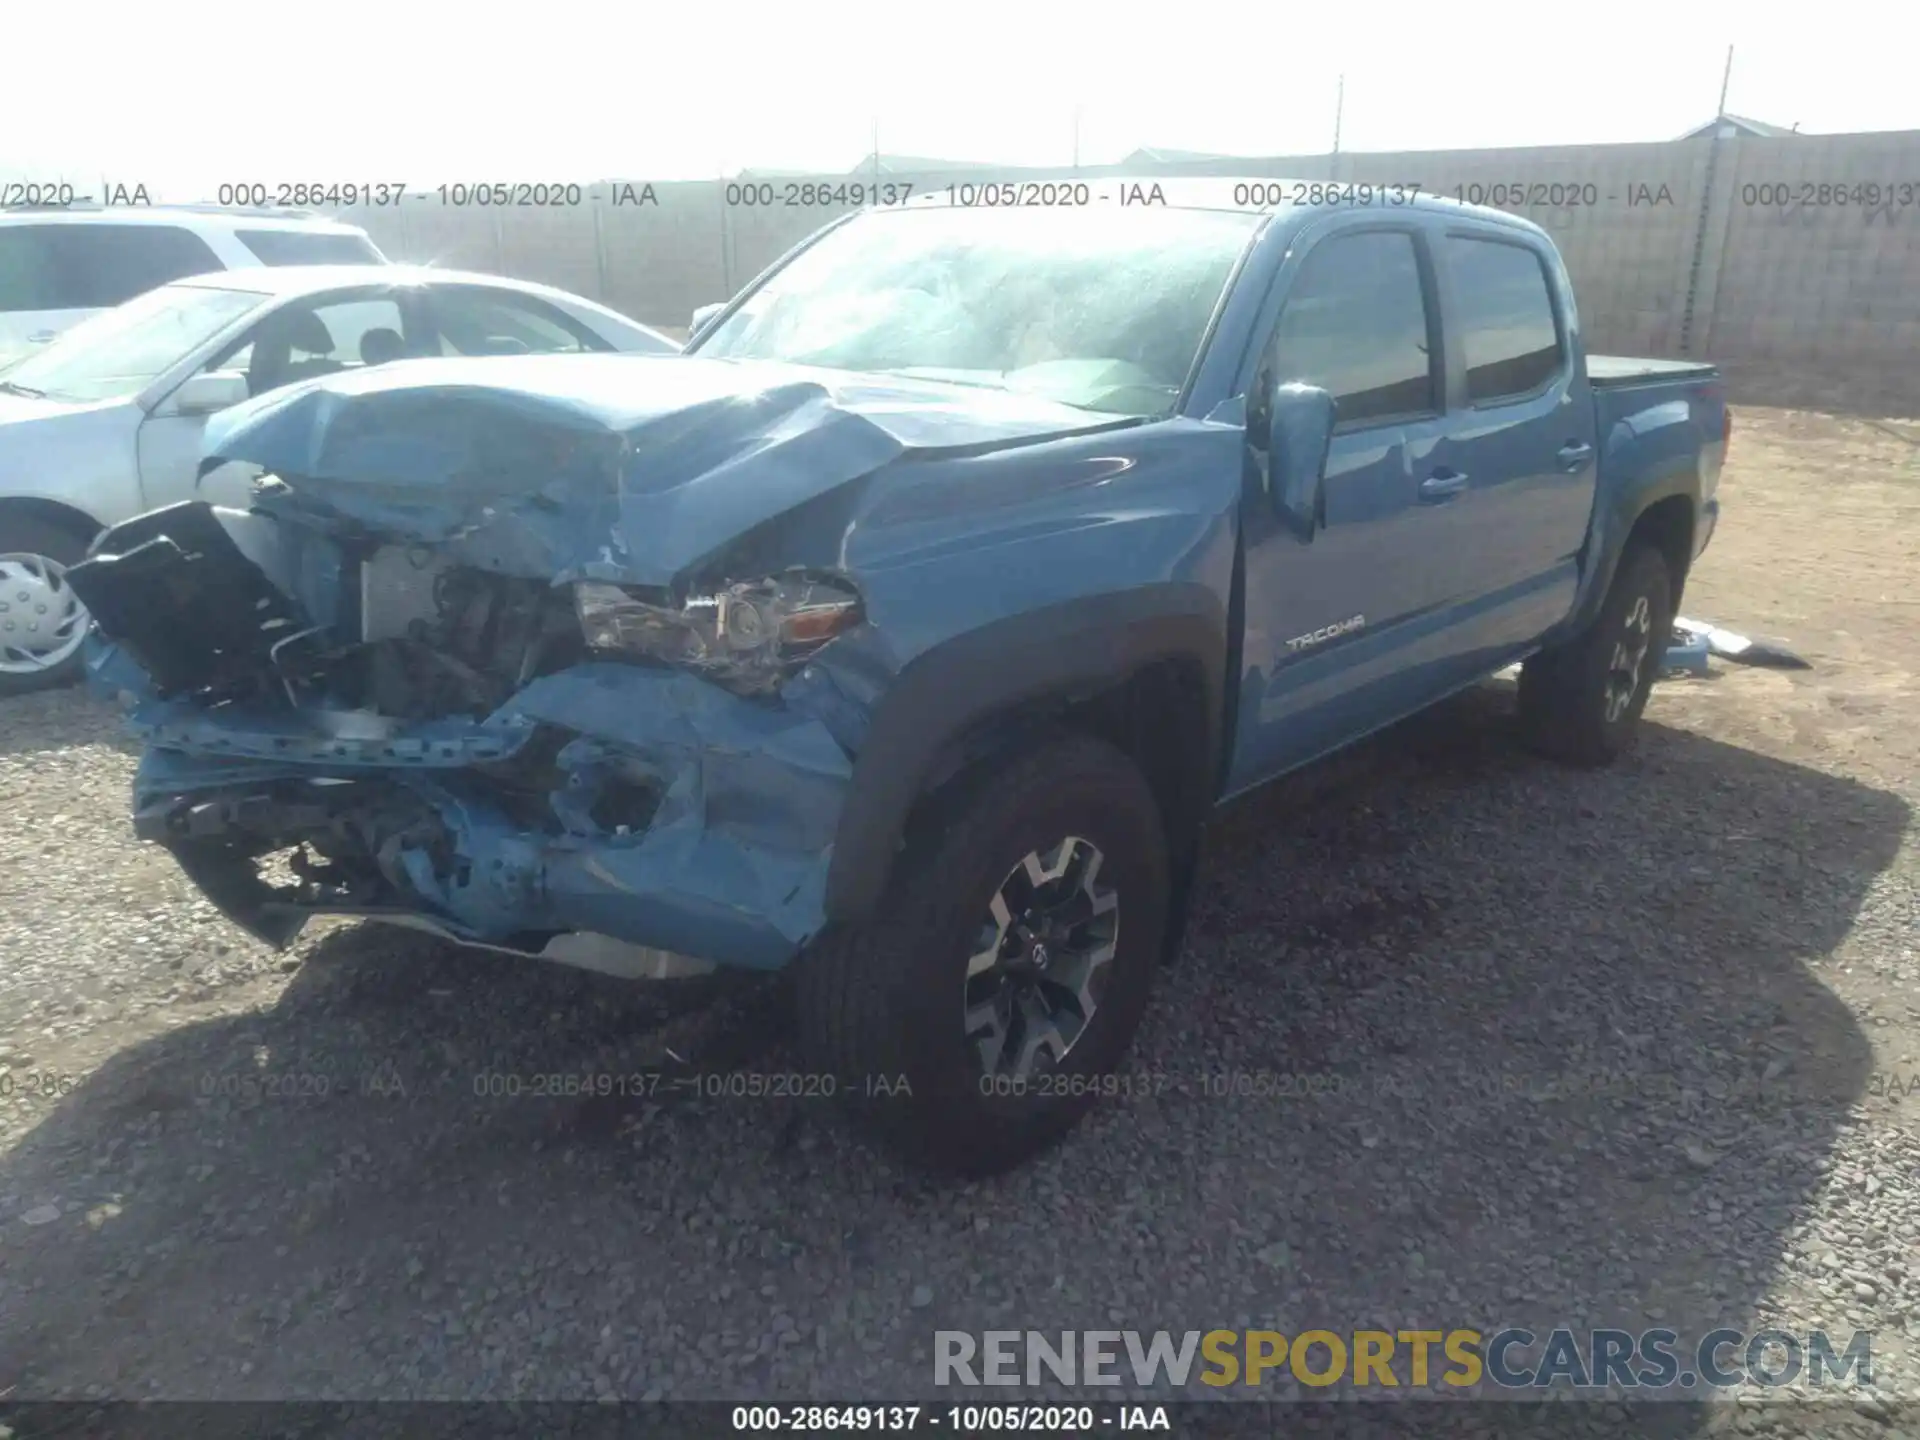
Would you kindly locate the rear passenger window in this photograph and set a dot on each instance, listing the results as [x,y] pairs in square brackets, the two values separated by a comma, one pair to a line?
[1355,324]
[296,247]
[1505,314]
[110,264]
[27,278]
[94,267]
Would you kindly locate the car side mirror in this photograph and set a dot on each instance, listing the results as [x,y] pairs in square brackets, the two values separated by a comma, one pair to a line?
[208,392]
[1299,436]
[703,315]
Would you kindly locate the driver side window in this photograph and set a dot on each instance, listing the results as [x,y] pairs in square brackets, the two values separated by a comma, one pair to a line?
[313,338]
[1356,324]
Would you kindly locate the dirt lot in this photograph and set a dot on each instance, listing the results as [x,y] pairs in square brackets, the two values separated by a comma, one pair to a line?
[1628,1049]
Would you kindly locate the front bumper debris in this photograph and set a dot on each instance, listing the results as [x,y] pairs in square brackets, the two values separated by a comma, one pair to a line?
[677,816]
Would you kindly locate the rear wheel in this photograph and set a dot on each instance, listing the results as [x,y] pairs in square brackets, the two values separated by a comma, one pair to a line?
[972,1021]
[42,622]
[1581,702]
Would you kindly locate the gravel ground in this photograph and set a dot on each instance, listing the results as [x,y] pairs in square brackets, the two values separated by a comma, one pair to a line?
[1626,1049]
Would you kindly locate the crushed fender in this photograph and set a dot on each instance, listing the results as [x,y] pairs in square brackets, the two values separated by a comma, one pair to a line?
[529,649]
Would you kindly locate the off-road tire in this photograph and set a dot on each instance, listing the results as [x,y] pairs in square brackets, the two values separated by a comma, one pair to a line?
[881,1005]
[1565,691]
[31,535]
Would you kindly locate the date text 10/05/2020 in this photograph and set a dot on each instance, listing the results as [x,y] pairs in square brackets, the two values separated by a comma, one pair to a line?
[1864,197]
[961,1419]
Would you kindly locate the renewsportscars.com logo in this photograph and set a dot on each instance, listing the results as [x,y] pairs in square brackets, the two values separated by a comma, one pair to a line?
[1508,1359]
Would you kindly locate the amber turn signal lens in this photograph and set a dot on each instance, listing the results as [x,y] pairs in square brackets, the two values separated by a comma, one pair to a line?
[818,623]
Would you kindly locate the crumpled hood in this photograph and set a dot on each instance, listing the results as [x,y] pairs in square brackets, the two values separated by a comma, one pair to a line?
[628,468]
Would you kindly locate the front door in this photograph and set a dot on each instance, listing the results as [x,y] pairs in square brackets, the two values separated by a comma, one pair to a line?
[1326,617]
[298,341]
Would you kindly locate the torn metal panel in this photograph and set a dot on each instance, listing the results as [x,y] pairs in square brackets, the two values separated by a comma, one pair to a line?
[682,817]
[743,830]
[646,467]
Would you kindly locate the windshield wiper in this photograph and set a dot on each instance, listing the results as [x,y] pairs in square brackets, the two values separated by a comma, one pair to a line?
[27,390]
[935,374]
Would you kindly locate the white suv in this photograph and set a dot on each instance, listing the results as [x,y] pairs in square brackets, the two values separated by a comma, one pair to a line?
[59,266]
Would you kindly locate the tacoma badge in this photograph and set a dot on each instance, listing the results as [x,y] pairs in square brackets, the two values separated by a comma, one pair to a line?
[1327,632]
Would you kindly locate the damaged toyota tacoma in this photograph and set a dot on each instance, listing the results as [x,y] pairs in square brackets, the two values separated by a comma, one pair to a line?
[907,629]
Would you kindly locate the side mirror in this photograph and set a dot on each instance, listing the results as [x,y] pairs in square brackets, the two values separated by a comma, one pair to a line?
[208,392]
[1301,432]
[703,315]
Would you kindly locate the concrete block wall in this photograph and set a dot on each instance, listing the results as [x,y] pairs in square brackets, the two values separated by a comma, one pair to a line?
[1807,275]
[1773,274]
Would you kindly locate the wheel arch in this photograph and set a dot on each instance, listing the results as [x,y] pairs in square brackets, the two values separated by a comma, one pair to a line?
[1143,670]
[1664,510]
[61,516]
[1668,525]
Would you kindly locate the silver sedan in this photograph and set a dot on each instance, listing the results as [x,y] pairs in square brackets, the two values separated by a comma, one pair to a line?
[105,422]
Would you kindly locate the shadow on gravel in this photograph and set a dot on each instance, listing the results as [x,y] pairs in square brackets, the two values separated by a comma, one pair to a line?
[1541,1047]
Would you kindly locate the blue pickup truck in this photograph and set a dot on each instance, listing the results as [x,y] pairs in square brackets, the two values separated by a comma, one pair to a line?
[906,630]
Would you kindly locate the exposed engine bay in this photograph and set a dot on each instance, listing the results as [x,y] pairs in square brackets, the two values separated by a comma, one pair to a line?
[373,728]
[411,635]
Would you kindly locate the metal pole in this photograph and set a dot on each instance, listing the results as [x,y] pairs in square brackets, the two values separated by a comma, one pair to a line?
[1726,78]
[1339,104]
[876,150]
[599,248]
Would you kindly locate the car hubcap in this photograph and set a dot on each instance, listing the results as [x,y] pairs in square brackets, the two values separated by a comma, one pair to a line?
[42,621]
[1040,961]
[1629,653]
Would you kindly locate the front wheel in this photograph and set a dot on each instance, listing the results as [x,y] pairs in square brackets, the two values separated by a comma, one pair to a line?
[42,622]
[979,1014]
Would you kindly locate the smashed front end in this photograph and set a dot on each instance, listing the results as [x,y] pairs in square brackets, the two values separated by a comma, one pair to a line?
[430,682]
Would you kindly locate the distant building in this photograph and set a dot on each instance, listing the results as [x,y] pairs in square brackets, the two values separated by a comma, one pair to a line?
[1152,155]
[918,165]
[1731,126]
[884,165]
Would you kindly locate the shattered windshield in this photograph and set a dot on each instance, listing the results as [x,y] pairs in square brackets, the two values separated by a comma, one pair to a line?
[1091,307]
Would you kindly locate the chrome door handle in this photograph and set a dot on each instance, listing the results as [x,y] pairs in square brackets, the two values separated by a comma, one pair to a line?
[1574,454]
[1442,485]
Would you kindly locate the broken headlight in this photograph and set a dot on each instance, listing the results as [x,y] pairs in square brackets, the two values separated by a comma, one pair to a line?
[747,637]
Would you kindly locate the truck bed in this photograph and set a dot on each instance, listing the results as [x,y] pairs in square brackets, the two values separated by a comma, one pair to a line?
[1606,372]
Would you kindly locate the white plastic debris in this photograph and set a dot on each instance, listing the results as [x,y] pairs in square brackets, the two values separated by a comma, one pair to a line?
[1739,648]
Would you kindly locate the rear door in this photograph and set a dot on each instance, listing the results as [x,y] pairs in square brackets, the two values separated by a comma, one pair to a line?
[1506,531]
[54,275]
[1326,616]
[35,303]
